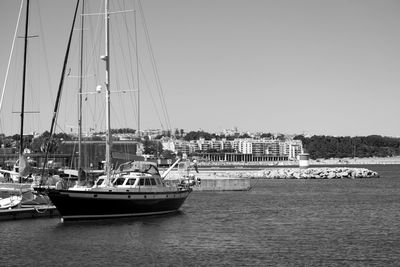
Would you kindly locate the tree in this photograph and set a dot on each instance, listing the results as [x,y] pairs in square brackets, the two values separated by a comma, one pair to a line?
[167,154]
[245,135]
[359,146]
[267,135]
[152,147]
[197,135]
[280,137]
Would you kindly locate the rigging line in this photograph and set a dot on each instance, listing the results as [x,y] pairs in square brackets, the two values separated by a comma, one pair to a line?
[131,61]
[140,68]
[44,51]
[115,118]
[90,63]
[130,80]
[150,93]
[100,116]
[11,53]
[154,66]
[46,61]
[57,104]
[115,59]
[96,43]
[155,69]
[91,112]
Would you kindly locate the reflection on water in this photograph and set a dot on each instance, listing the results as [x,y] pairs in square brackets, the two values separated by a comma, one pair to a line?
[279,222]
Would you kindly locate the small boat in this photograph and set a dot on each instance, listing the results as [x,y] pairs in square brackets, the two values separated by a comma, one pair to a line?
[10,202]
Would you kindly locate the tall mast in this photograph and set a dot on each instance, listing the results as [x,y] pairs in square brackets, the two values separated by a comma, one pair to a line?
[107,82]
[137,74]
[60,86]
[80,96]
[21,149]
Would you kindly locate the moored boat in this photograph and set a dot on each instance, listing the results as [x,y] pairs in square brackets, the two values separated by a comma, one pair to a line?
[136,189]
[10,202]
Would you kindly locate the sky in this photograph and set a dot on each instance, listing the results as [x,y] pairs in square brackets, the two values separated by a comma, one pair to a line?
[327,67]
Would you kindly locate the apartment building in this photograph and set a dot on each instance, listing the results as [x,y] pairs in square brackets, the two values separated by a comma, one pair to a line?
[256,149]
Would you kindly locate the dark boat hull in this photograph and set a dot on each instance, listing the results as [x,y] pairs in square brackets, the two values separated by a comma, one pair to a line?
[83,205]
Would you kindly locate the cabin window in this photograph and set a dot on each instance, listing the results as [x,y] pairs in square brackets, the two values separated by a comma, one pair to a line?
[99,182]
[153,182]
[141,181]
[119,181]
[147,182]
[131,181]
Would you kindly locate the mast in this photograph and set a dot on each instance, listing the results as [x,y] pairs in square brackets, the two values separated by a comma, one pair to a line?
[106,58]
[137,74]
[80,96]
[21,149]
[60,87]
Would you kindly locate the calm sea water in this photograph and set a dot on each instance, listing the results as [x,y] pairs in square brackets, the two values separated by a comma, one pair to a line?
[278,222]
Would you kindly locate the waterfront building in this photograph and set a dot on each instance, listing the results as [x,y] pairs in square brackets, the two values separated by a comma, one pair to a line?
[245,146]
[216,144]
[238,157]
[227,145]
[205,146]
[258,148]
[182,147]
[271,147]
[193,147]
[168,144]
[151,132]
[291,148]
[236,145]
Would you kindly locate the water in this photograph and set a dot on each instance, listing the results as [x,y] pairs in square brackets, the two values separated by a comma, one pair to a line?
[279,222]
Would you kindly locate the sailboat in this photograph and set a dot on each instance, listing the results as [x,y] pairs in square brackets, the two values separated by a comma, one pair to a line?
[20,190]
[134,189]
[21,167]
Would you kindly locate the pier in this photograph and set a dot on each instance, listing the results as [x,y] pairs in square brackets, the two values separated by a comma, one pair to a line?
[299,173]
[215,183]
[42,211]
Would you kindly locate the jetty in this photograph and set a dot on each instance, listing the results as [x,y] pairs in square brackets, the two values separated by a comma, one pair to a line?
[29,212]
[299,173]
[211,181]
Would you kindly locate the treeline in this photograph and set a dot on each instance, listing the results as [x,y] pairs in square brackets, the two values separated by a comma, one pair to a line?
[196,135]
[35,144]
[321,146]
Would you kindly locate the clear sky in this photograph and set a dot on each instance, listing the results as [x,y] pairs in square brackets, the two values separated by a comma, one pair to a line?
[289,66]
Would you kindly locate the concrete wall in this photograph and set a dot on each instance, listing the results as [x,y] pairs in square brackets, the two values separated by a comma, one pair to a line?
[222,184]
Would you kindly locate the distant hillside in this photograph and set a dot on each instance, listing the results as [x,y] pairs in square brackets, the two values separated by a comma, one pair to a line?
[321,146]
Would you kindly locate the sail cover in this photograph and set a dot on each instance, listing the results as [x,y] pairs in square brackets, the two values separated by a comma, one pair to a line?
[24,168]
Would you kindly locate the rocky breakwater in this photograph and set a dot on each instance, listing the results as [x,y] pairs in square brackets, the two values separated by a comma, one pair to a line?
[310,173]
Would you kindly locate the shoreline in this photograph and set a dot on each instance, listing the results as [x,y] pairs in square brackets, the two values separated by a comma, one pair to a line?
[312,162]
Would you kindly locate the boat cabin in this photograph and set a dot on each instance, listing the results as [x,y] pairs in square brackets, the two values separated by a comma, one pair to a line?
[134,174]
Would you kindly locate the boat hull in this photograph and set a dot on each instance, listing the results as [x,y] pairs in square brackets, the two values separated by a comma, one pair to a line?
[83,205]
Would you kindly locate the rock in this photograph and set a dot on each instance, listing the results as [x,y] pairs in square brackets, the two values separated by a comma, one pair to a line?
[331,175]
